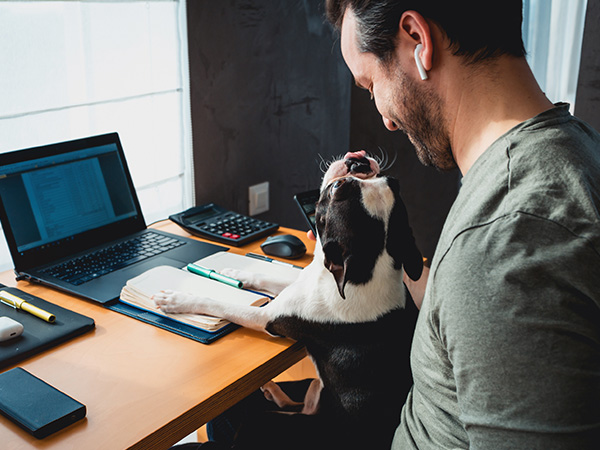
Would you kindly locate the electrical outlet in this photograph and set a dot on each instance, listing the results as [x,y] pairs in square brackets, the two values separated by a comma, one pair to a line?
[258,198]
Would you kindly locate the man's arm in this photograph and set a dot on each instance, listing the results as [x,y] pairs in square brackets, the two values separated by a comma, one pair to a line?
[417,288]
[520,323]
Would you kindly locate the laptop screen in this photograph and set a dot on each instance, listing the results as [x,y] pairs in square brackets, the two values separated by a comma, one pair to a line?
[52,199]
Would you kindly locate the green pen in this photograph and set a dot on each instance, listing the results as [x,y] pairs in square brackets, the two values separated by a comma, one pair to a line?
[214,275]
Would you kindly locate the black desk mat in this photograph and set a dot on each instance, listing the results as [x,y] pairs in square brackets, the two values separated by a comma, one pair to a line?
[39,335]
[172,325]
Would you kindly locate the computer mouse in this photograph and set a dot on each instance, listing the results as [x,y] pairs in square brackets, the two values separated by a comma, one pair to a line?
[284,246]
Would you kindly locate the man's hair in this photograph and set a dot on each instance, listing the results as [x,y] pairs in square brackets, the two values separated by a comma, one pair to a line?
[477,29]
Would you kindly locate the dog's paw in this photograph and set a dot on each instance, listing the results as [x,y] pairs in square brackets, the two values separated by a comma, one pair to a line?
[177,302]
[249,279]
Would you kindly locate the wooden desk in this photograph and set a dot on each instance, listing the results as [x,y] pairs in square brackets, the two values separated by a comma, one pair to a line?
[143,386]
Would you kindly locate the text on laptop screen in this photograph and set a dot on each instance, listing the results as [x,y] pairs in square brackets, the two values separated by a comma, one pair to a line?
[51,199]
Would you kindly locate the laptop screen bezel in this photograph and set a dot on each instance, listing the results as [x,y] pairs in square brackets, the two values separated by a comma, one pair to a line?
[83,241]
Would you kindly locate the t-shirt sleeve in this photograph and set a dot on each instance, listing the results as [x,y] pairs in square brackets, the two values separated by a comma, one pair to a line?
[521,325]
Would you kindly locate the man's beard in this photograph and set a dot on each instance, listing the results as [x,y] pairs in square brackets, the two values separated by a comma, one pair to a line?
[424,124]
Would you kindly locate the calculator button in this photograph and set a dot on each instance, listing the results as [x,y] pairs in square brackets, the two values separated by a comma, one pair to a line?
[235,236]
[226,234]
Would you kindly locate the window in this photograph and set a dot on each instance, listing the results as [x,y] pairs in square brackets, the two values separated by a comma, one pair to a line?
[79,68]
[553,33]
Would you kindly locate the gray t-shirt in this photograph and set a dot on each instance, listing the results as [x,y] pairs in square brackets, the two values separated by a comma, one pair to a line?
[506,352]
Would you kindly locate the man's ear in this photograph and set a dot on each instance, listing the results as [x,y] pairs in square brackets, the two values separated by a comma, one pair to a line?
[414,29]
[401,243]
[336,264]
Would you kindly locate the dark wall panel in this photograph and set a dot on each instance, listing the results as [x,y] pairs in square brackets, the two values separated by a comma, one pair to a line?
[270,92]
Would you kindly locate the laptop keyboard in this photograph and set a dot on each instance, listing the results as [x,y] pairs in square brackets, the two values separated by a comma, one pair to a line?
[79,270]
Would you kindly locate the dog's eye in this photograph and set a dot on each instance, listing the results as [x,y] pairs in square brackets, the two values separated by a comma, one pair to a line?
[337,184]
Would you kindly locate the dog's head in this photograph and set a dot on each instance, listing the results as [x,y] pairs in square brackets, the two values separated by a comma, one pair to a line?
[359,218]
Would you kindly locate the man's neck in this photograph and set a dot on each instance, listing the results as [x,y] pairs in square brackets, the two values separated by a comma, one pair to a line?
[488,101]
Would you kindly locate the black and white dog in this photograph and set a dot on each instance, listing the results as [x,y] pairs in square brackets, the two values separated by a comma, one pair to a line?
[349,307]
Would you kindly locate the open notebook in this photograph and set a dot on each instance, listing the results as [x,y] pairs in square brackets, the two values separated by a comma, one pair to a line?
[139,290]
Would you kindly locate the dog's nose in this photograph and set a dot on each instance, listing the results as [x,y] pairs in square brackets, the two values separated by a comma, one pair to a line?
[358,165]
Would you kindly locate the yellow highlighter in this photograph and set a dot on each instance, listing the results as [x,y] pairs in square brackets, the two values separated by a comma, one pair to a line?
[18,303]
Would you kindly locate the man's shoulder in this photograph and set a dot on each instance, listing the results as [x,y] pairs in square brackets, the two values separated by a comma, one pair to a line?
[515,237]
[539,173]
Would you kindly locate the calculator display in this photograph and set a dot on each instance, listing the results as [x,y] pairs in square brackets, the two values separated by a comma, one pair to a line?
[199,217]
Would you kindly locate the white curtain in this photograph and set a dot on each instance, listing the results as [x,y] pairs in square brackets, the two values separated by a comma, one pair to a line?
[553,33]
[72,69]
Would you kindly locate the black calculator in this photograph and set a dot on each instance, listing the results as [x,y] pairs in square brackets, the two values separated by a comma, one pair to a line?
[219,224]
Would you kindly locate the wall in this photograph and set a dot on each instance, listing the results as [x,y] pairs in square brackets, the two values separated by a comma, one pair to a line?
[270,93]
[587,103]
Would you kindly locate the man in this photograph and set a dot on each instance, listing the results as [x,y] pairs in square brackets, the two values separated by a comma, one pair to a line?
[506,353]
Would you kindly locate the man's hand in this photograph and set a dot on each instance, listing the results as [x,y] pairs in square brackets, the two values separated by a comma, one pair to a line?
[417,288]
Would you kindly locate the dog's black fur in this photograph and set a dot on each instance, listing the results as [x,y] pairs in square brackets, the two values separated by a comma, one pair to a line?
[365,372]
[364,367]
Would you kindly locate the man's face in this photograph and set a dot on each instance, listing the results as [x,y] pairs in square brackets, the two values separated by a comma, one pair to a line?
[404,103]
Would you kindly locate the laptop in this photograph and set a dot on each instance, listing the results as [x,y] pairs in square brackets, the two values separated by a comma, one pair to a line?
[73,221]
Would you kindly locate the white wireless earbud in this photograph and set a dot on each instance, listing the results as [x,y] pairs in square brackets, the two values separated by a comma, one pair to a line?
[420,67]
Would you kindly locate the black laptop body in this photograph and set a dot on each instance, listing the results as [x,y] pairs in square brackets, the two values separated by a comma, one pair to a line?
[63,202]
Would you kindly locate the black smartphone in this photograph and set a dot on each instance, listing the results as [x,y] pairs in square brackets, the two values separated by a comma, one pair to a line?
[36,406]
[307,201]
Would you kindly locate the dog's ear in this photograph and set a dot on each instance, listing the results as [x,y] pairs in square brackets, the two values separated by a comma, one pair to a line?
[336,264]
[400,240]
